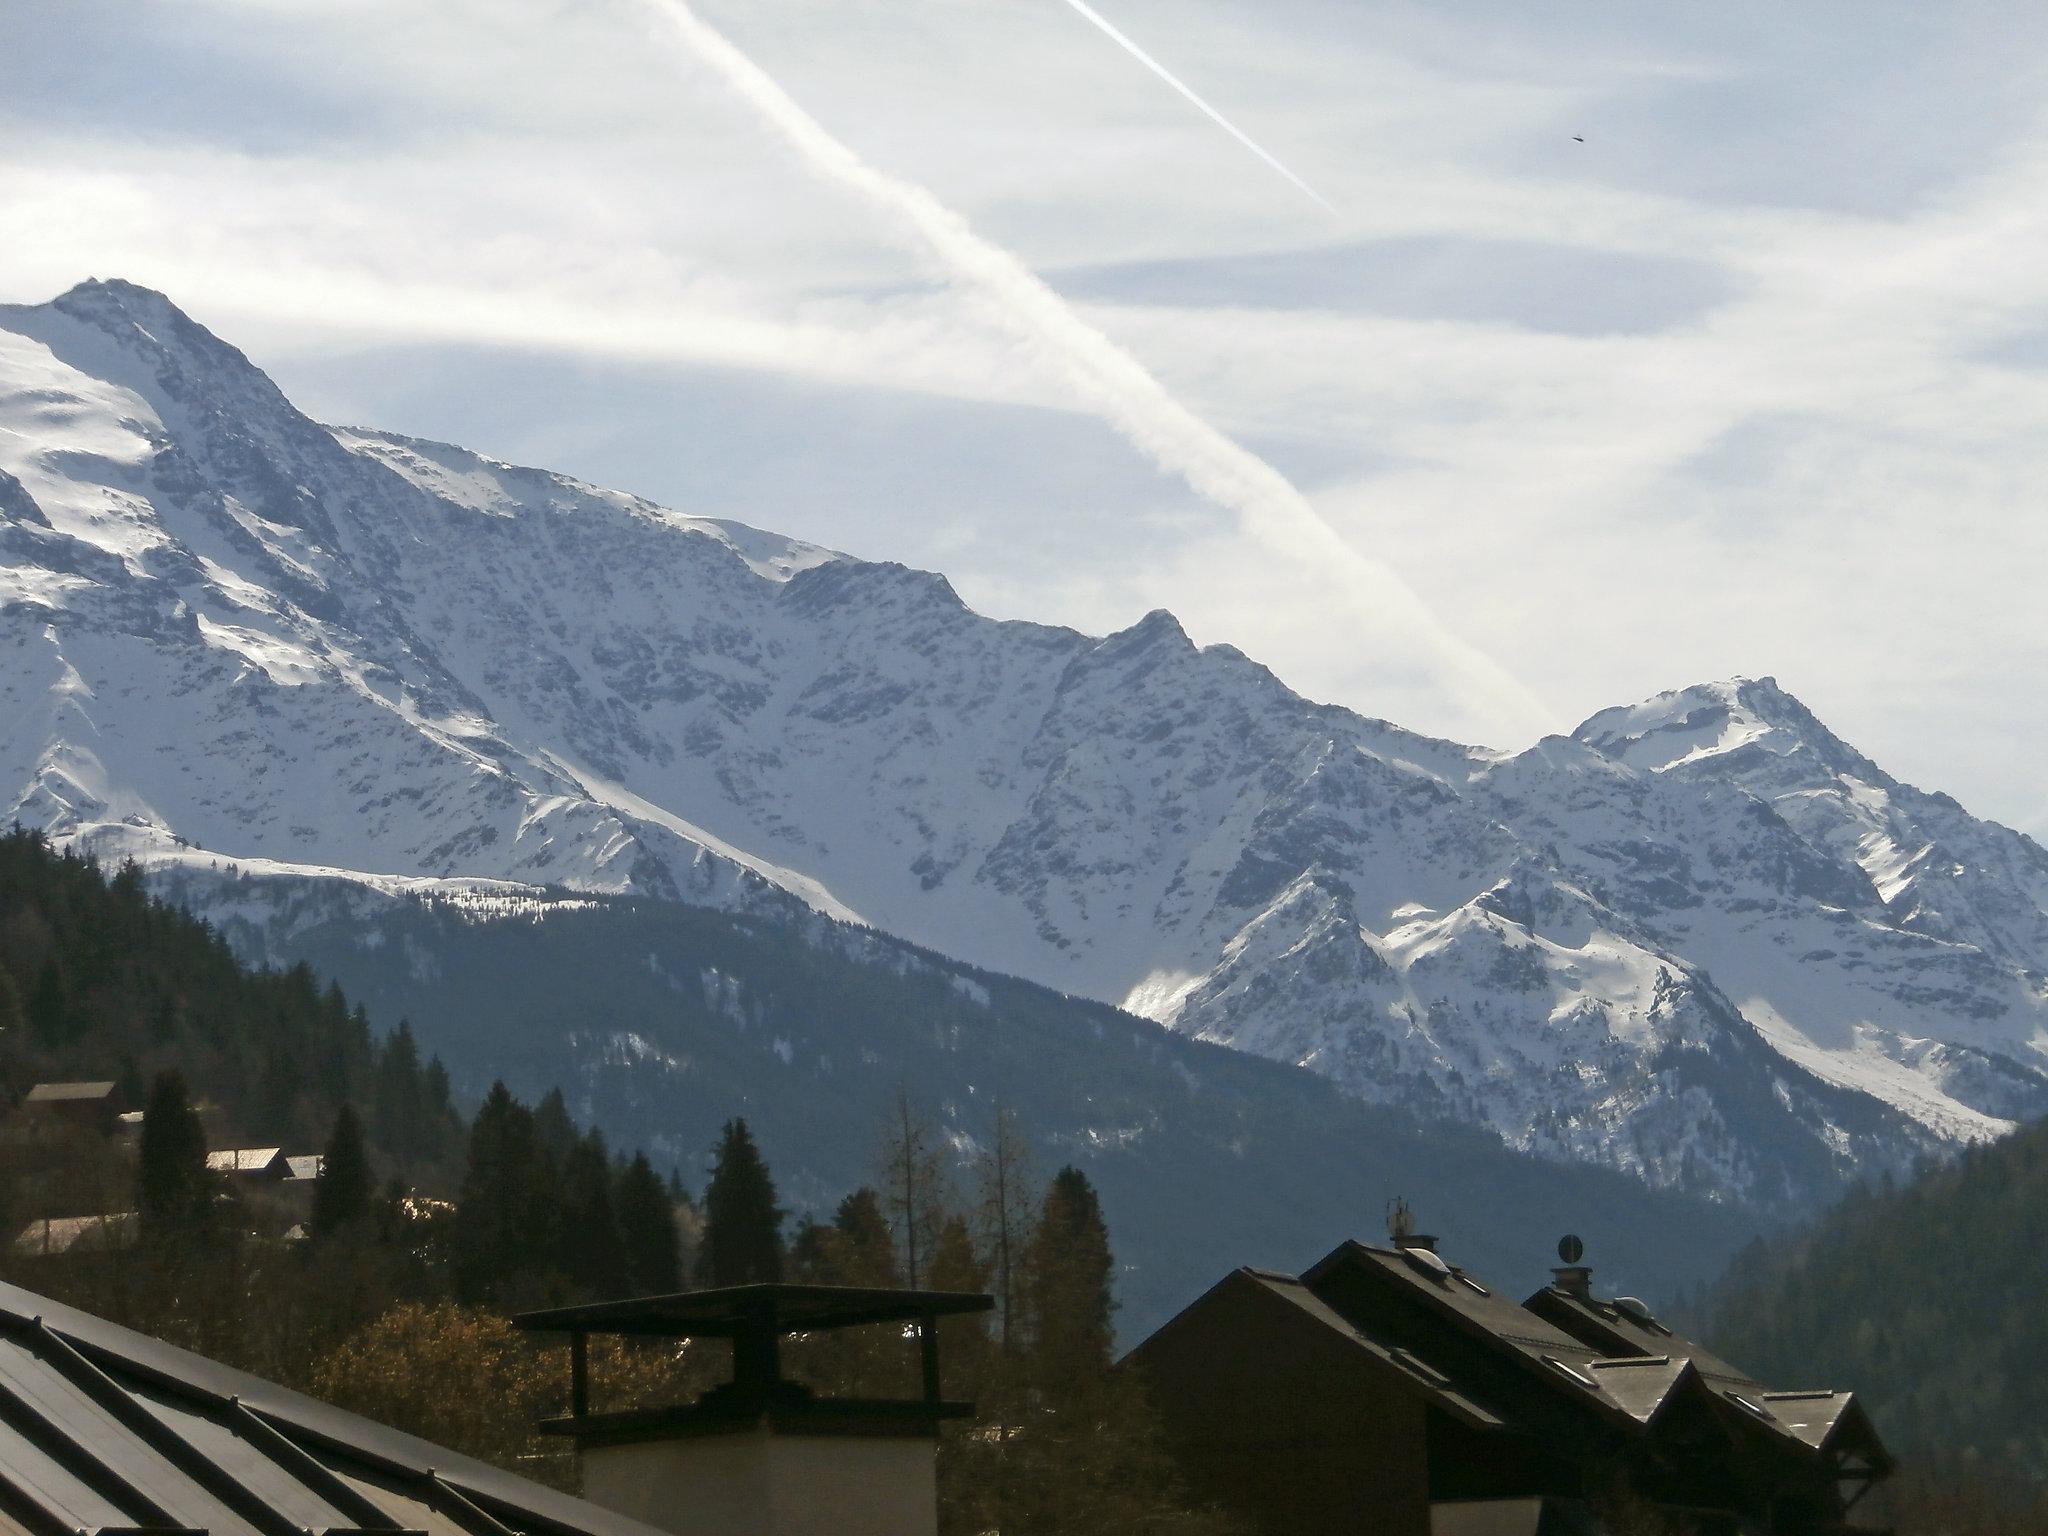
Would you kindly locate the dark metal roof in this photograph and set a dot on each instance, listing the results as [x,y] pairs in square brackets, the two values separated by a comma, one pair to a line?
[104,1430]
[1614,1329]
[753,1309]
[1415,1373]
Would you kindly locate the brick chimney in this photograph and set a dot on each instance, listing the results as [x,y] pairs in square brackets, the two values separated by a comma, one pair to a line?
[763,1455]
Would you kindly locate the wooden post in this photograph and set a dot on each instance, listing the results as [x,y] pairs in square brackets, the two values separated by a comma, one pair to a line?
[928,1348]
[579,1375]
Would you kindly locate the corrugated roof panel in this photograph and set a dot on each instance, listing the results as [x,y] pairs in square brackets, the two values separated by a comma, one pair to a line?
[247,1465]
[45,1391]
[55,1486]
[413,1514]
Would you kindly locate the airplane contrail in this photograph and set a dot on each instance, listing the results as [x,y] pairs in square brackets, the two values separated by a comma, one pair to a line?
[1119,387]
[1210,112]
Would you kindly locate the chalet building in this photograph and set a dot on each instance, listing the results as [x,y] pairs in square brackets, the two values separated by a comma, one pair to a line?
[251,1165]
[104,1432]
[95,1106]
[1387,1390]
[53,1237]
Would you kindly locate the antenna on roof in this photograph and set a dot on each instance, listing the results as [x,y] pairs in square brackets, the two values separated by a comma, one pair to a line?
[1400,1220]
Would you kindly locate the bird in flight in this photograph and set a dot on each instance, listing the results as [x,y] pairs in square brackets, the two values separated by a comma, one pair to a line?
[1576,139]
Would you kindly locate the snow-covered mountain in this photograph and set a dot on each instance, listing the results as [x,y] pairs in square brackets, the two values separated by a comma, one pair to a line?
[1700,938]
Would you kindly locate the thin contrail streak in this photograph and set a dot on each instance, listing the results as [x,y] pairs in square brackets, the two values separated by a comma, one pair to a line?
[1119,387]
[1210,112]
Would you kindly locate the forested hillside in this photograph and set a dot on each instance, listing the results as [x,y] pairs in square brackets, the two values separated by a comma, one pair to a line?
[393,1302]
[660,1021]
[98,981]
[1927,1300]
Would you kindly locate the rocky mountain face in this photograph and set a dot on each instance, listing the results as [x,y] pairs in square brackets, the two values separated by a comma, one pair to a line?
[1700,939]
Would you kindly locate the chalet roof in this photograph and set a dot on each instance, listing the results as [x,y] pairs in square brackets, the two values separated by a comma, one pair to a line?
[103,1430]
[49,1235]
[1828,1421]
[69,1093]
[1618,1330]
[245,1159]
[1507,1332]
[1417,1374]
[1642,1385]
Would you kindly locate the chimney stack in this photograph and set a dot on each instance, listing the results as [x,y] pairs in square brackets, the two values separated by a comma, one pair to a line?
[1572,1277]
[761,1455]
[1574,1280]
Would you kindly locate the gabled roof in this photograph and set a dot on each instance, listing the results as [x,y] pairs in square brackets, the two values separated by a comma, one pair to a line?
[1418,1375]
[1829,1422]
[1644,1385]
[244,1159]
[68,1093]
[1617,1329]
[104,1430]
[48,1235]
[1508,1332]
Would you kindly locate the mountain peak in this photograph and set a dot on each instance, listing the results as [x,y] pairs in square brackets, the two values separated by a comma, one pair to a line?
[1708,720]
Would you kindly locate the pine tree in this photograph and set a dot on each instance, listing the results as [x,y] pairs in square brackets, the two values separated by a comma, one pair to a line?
[13,1014]
[396,1107]
[341,1196]
[647,1229]
[861,1249]
[508,1212]
[593,1253]
[49,1008]
[173,1190]
[1070,1278]
[742,1223]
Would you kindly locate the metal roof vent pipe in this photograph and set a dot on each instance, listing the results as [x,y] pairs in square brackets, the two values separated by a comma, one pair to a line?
[1572,1277]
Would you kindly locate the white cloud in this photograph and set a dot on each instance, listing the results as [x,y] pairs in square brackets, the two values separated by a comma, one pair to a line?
[1787,423]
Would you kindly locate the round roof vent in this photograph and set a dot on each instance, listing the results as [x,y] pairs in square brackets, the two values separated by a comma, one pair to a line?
[1428,1262]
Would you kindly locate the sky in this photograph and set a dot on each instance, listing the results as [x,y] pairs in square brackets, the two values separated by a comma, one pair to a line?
[1475,365]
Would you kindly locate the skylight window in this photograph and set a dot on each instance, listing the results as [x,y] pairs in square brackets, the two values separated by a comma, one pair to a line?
[1572,1371]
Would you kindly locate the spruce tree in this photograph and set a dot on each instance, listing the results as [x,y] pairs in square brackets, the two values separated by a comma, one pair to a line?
[647,1228]
[49,1008]
[173,1190]
[1070,1276]
[742,1223]
[592,1252]
[862,1251]
[341,1197]
[508,1211]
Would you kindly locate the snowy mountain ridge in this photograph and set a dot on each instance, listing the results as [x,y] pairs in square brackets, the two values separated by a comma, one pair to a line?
[1700,938]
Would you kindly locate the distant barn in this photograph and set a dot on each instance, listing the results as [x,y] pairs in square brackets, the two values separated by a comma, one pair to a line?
[94,1106]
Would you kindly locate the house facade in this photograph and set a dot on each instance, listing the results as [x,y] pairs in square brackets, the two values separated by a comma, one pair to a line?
[1386,1389]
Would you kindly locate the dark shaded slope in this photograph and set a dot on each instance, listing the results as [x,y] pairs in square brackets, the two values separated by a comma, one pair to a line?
[1927,1300]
